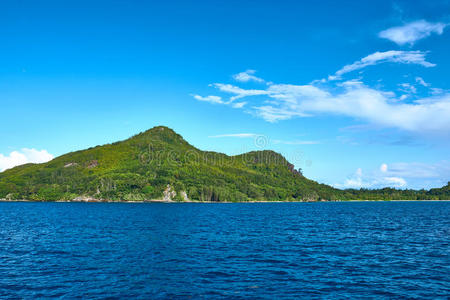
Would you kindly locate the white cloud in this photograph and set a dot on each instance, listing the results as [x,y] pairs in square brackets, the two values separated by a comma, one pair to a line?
[352,98]
[400,175]
[412,32]
[422,82]
[408,88]
[23,156]
[211,99]
[290,92]
[274,114]
[393,56]
[247,76]
[436,91]
[239,92]
[419,170]
[372,180]
[239,104]
[395,181]
[355,100]
[375,107]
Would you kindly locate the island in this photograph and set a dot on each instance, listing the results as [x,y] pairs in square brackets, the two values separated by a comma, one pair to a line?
[159,165]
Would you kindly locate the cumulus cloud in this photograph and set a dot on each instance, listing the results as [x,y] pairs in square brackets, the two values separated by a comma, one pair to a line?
[399,175]
[211,99]
[392,56]
[372,180]
[247,76]
[412,32]
[23,156]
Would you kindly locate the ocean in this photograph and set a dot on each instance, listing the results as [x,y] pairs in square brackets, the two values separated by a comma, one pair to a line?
[225,251]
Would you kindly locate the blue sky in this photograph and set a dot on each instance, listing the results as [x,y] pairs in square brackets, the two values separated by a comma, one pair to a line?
[355,94]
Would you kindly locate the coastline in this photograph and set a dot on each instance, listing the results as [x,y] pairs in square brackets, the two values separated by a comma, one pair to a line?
[224,202]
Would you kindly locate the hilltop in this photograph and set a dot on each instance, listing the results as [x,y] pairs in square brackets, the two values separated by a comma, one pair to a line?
[160,164]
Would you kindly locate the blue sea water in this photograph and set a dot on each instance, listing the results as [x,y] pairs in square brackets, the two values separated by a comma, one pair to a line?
[241,250]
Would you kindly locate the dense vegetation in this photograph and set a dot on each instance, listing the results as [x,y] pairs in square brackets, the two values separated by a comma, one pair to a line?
[142,167]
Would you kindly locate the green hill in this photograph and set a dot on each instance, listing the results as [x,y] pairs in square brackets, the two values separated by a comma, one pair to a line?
[160,164]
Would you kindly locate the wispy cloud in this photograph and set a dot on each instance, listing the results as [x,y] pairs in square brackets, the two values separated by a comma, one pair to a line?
[412,32]
[422,82]
[392,56]
[274,114]
[239,92]
[420,170]
[247,76]
[218,100]
[23,156]
[211,99]
[350,98]
[437,91]
[408,88]
[239,104]
[353,99]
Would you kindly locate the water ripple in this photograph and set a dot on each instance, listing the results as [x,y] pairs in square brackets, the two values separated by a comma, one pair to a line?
[232,251]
